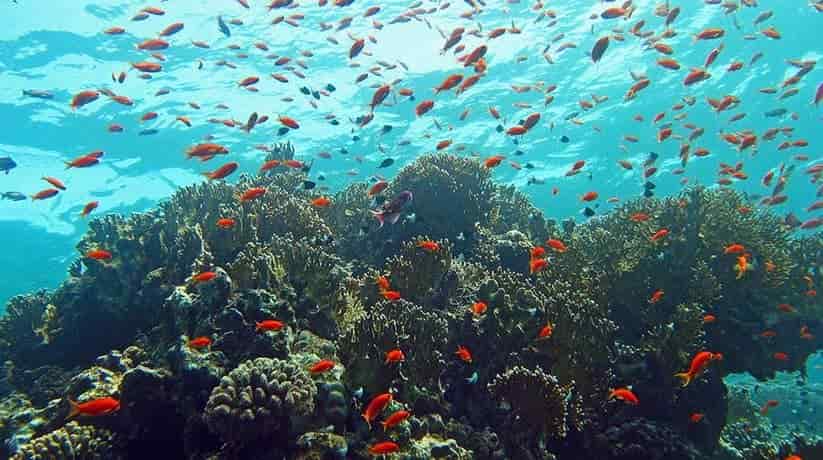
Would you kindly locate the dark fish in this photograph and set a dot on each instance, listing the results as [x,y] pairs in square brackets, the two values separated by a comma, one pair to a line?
[355,138]
[305,90]
[283,130]
[386,163]
[528,166]
[334,122]
[316,94]
[13,196]
[648,193]
[518,153]
[330,88]
[776,112]
[252,121]
[588,212]
[321,177]
[499,128]
[223,27]
[38,93]
[148,132]
[7,164]
[572,115]
[649,186]
[564,139]
[791,220]
[308,185]
[385,129]
[390,211]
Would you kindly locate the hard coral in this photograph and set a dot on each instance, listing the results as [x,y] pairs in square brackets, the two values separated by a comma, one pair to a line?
[256,399]
[71,441]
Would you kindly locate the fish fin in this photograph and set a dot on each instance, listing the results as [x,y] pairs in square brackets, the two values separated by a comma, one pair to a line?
[379,216]
[256,327]
[393,218]
[74,409]
[385,426]
[685,376]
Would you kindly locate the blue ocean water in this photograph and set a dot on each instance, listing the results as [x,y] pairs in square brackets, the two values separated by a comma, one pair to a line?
[62,49]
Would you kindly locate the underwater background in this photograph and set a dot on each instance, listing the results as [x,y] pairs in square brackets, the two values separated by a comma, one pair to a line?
[158,298]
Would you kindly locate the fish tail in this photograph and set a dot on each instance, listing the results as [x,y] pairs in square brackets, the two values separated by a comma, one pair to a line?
[74,409]
[379,216]
[256,327]
[385,426]
[368,422]
[207,174]
[685,376]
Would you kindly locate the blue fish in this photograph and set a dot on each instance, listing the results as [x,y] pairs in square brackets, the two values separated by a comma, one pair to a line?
[223,26]
[473,379]
[13,196]
[7,164]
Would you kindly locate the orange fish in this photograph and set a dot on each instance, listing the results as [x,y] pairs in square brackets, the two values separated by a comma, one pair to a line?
[83,162]
[252,193]
[320,202]
[383,283]
[384,448]
[288,122]
[268,325]
[55,182]
[537,252]
[493,162]
[204,277]
[376,406]
[206,151]
[557,245]
[89,207]
[741,266]
[82,98]
[391,295]
[324,365]
[423,107]
[200,342]
[768,405]
[99,254]
[660,234]
[378,187]
[395,419]
[226,223]
[450,82]
[395,356]
[639,217]
[696,417]
[780,356]
[707,319]
[222,172]
[589,196]
[479,308]
[537,265]
[699,364]
[626,395]
[545,332]
[464,354]
[734,249]
[428,246]
[94,408]
[657,296]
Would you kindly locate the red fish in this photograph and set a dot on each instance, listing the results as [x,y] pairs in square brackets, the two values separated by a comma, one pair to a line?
[464,354]
[423,107]
[384,448]
[94,408]
[395,356]
[537,265]
[545,332]
[479,308]
[696,417]
[200,342]
[226,223]
[376,406]
[395,419]
[589,196]
[268,325]
[391,296]
[450,82]
[55,182]
[659,235]
[45,194]
[780,356]
[206,151]
[599,48]
[82,98]
[222,172]
[88,208]
[288,122]
[252,193]
[378,187]
[699,364]
[557,245]
[98,254]
[428,246]
[626,395]
[656,297]
[320,202]
[204,277]
[324,365]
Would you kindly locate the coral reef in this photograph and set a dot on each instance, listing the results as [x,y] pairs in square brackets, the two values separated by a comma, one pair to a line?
[270,337]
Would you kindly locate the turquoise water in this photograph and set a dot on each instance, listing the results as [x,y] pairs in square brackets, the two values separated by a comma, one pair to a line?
[62,49]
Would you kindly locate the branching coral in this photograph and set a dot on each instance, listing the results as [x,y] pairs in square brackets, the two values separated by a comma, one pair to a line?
[257,398]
